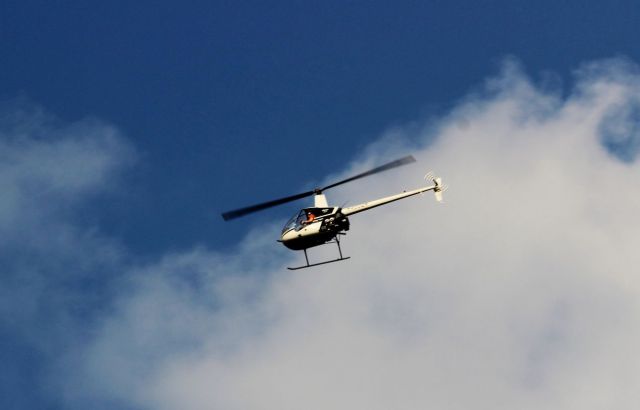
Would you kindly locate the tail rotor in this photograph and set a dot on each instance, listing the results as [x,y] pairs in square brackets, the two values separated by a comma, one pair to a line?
[438,187]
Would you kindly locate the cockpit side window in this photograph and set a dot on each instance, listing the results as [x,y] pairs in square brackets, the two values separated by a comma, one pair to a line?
[302,218]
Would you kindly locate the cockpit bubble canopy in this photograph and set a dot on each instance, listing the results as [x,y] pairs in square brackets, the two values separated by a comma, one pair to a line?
[303,217]
[295,222]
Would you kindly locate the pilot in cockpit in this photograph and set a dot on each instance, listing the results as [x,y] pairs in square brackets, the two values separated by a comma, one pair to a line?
[310,218]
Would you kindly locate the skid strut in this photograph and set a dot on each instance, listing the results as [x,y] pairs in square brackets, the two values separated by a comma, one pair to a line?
[306,257]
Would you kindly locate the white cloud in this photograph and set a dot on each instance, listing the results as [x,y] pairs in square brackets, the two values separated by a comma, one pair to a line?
[48,170]
[520,292]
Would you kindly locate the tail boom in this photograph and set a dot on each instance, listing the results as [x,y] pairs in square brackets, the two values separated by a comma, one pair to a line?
[437,188]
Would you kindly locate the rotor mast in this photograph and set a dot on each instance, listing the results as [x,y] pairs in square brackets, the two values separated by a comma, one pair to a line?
[319,200]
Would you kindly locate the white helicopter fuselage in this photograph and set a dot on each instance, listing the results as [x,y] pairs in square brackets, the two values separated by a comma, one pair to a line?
[303,231]
[321,224]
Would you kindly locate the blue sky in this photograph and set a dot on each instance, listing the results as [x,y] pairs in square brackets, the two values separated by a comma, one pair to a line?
[128,127]
[240,88]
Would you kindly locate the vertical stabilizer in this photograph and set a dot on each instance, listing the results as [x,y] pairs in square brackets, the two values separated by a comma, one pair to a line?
[438,189]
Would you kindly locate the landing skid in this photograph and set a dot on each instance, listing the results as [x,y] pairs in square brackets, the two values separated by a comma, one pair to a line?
[309,265]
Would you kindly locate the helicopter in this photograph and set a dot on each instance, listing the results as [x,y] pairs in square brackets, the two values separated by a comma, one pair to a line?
[323,224]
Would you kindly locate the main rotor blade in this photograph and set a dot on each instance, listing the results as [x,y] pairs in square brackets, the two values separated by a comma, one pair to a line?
[393,164]
[237,213]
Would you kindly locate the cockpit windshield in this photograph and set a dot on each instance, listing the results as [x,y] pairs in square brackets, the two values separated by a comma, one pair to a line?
[296,221]
[306,217]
